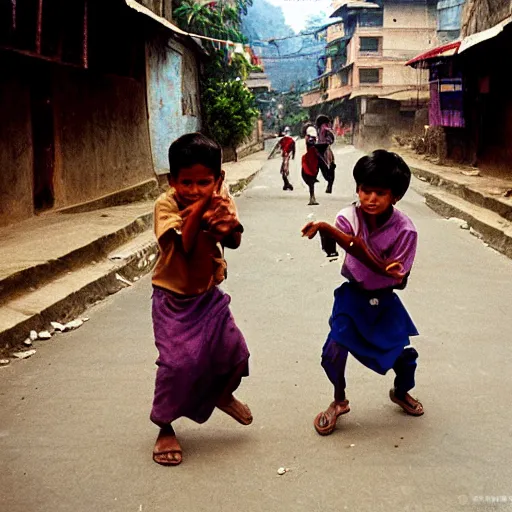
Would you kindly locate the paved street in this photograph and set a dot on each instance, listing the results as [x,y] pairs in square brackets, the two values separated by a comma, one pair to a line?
[74,428]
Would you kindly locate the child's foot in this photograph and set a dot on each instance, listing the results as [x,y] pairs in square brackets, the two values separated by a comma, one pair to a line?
[167,451]
[312,202]
[328,190]
[409,404]
[325,422]
[237,410]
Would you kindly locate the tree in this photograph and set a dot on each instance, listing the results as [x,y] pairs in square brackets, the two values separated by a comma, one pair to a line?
[214,19]
[230,112]
[228,106]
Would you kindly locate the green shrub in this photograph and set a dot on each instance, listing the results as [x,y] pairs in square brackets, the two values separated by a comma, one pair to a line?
[229,112]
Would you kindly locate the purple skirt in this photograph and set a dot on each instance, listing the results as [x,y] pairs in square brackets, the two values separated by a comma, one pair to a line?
[199,348]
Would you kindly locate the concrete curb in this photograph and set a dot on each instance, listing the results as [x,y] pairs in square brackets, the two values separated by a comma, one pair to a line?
[466,192]
[134,264]
[145,190]
[240,185]
[78,300]
[490,227]
[41,274]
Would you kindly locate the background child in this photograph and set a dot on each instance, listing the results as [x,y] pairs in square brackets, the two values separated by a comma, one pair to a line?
[287,145]
[310,163]
[326,138]
[368,319]
[202,353]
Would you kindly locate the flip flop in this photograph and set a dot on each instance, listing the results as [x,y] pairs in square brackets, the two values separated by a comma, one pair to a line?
[411,406]
[328,428]
[172,446]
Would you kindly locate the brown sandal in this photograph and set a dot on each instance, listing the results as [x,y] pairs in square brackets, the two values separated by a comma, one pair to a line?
[410,405]
[167,445]
[238,411]
[325,422]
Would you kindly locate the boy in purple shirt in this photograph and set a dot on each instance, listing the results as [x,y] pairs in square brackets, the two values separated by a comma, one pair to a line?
[368,318]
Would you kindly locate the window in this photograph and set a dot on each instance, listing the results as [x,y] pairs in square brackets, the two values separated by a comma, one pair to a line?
[82,33]
[52,29]
[369,75]
[449,14]
[371,19]
[344,77]
[369,45]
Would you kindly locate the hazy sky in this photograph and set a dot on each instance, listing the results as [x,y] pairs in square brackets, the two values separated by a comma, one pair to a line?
[296,12]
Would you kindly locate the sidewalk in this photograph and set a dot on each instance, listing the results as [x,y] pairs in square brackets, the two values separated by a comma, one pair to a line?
[484,202]
[239,174]
[53,266]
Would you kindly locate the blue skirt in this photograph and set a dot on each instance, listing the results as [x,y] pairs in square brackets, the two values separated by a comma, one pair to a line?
[373,326]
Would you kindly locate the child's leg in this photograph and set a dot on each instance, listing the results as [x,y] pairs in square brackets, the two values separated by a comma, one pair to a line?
[167,450]
[330,181]
[229,404]
[312,199]
[286,183]
[334,361]
[285,172]
[405,369]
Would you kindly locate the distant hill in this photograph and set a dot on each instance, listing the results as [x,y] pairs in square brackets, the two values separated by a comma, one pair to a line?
[265,21]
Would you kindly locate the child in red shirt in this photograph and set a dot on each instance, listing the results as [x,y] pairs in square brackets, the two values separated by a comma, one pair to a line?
[287,145]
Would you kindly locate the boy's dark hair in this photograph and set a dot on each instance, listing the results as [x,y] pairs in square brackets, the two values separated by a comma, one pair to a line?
[383,169]
[192,149]
[322,119]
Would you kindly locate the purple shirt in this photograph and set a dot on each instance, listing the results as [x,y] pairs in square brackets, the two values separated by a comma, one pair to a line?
[396,240]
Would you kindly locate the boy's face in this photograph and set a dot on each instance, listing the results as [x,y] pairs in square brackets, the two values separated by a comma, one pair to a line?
[375,200]
[194,183]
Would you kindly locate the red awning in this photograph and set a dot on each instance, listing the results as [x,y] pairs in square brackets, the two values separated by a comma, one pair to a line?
[446,50]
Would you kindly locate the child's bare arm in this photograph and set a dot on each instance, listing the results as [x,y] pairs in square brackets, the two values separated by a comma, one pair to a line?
[355,246]
[222,222]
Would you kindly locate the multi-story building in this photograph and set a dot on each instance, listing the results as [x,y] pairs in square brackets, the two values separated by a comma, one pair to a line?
[366,83]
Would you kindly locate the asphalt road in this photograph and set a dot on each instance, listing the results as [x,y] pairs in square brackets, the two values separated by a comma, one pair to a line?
[74,429]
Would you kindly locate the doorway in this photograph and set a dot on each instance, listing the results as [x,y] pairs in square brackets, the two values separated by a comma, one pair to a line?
[43,142]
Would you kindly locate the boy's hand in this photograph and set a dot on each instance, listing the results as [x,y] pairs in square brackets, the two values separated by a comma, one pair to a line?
[224,227]
[311,229]
[396,270]
[220,208]
[200,205]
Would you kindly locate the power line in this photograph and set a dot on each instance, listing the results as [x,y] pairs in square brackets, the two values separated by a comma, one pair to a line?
[291,57]
[300,34]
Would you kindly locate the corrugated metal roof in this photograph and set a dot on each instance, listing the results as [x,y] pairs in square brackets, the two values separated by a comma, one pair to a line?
[485,35]
[445,50]
[148,12]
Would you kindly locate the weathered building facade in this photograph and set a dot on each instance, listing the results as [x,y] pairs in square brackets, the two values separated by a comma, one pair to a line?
[77,84]
[366,83]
